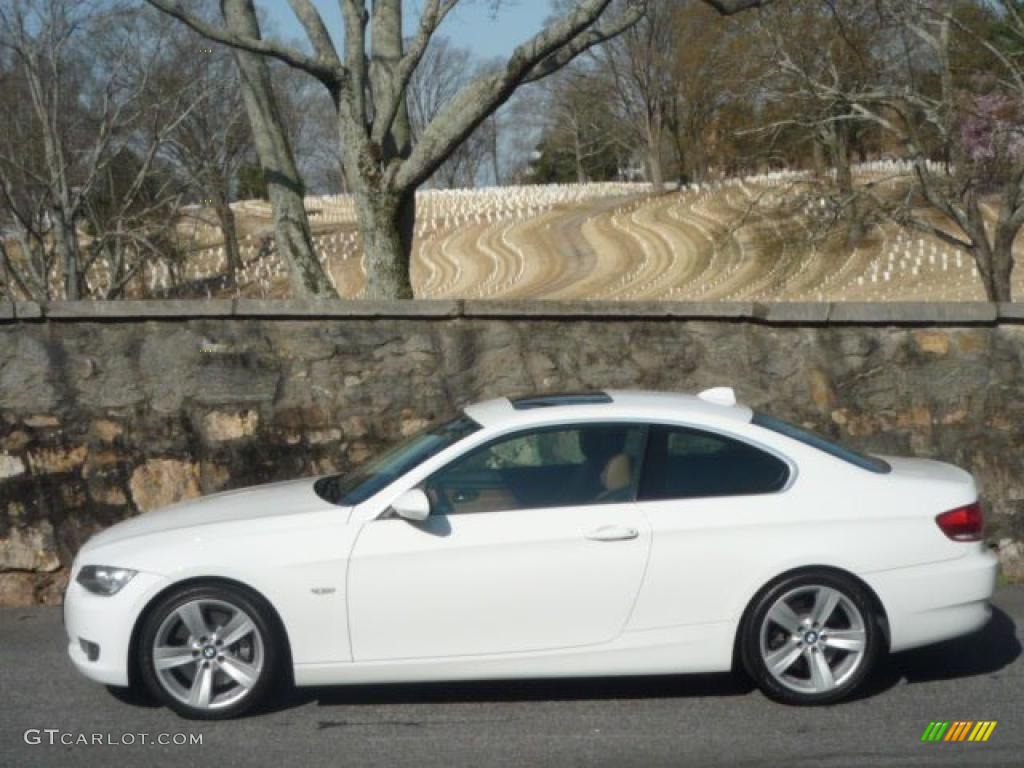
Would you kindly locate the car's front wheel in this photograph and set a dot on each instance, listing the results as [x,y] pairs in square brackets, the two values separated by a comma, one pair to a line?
[209,652]
[811,638]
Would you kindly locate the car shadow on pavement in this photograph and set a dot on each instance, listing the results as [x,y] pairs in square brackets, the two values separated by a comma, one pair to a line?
[135,696]
[985,652]
[560,689]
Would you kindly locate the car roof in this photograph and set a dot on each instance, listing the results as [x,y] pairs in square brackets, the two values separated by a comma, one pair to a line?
[611,404]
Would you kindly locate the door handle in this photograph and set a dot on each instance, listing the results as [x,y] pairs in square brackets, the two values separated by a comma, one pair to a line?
[613,533]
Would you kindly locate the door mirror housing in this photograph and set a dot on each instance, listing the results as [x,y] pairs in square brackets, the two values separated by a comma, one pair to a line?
[413,506]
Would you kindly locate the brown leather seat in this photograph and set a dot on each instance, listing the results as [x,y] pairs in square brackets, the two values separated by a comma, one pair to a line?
[616,476]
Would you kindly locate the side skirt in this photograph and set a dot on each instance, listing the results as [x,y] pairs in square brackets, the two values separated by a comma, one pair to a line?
[674,650]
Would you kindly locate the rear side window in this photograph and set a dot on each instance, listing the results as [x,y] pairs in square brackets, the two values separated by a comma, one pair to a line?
[690,464]
[822,443]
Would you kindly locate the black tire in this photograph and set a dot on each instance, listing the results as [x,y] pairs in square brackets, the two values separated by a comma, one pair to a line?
[803,681]
[259,652]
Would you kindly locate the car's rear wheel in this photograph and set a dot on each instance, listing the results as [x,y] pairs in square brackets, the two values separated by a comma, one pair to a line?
[209,652]
[811,638]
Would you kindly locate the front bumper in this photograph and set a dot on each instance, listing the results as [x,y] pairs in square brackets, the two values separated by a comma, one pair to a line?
[108,623]
[930,603]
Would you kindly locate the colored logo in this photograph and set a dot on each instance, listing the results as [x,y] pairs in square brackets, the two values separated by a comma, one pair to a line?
[958,730]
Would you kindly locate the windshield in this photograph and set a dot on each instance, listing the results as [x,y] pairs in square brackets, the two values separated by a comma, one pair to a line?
[364,481]
[813,439]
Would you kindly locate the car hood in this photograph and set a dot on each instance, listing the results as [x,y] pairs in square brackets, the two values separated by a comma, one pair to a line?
[272,500]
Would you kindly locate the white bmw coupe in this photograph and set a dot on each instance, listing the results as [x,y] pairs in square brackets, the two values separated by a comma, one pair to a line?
[618,533]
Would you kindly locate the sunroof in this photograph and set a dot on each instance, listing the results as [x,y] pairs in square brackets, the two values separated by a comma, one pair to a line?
[569,398]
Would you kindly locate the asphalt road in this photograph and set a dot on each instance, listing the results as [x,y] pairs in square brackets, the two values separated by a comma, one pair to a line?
[705,720]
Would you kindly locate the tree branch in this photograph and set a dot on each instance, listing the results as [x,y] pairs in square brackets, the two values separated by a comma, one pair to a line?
[328,72]
[313,23]
[485,94]
[588,40]
[356,19]
[430,19]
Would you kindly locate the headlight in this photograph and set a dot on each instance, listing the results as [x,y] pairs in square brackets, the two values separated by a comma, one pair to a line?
[104,579]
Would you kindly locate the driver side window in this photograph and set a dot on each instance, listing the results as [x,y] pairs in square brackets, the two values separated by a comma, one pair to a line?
[564,466]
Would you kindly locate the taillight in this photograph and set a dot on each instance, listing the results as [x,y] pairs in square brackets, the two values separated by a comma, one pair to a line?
[962,523]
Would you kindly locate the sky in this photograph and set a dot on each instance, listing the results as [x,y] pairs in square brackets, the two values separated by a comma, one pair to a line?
[473,24]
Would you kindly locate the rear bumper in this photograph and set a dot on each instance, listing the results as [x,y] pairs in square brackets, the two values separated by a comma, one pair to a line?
[929,603]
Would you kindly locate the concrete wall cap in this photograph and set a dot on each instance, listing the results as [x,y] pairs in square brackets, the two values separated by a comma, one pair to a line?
[782,313]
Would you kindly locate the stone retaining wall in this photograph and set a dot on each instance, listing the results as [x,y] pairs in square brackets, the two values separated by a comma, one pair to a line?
[109,409]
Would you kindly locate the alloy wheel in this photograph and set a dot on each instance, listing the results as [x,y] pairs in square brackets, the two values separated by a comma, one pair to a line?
[208,654]
[813,639]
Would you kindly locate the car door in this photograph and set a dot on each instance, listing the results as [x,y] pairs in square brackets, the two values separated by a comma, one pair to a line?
[716,505]
[533,543]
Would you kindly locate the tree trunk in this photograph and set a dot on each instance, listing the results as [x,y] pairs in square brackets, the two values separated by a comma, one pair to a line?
[698,156]
[386,221]
[13,278]
[838,140]
[386,215]
[818,158]
[229,229]
[494,150]
[839,150]
[31,272]
[1002,264]
[993,279]
[581,174]
[284,186]
[654,168]
[657,178]
[682,156]
[65,240]
[61,207]
[1002,269]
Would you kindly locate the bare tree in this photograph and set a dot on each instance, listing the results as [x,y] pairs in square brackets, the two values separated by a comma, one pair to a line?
[43,38]
[213,140]
[844,43]
[991,163]
[129,218]
[580,127]
[640,65]
[959,130]
[310,119]
[29,258]
[493,133]
[714,79]
[79,156]
[284,184]
[368,81]
[442,72]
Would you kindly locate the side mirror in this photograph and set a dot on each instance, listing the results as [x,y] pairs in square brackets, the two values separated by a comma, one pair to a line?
[412,505]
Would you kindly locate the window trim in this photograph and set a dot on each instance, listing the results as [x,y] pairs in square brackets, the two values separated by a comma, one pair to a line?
[320,482]
[645,427]
[826,445]
[378,506]
[791,466]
